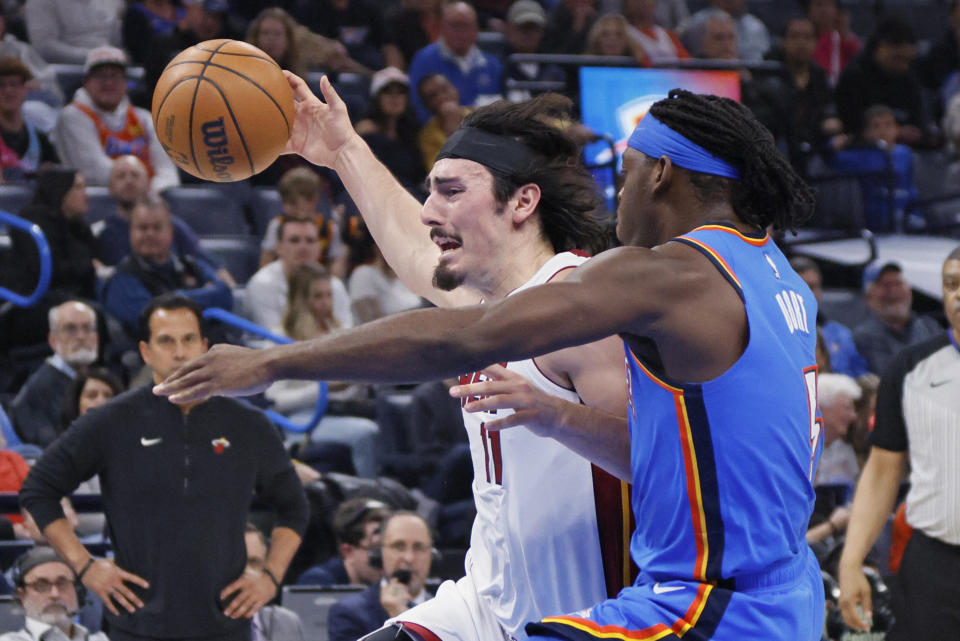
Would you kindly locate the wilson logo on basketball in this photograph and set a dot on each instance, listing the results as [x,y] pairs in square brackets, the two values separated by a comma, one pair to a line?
[215,139]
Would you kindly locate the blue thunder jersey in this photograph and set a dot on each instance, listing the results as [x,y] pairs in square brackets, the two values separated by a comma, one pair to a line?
[722,470]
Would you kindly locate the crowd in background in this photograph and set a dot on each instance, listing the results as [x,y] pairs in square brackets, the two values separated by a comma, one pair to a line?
[871,104]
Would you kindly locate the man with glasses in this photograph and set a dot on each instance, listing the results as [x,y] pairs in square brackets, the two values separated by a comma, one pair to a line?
[406,554]
[74,339]
[101,124]
[47,589]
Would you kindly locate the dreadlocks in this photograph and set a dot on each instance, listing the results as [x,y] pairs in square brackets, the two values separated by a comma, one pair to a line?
[569,198]
[769,190]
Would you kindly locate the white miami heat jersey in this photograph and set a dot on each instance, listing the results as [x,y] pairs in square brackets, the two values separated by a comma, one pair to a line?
[535,548]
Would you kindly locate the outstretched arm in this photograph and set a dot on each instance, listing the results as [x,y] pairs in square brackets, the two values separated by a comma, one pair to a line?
[322,134]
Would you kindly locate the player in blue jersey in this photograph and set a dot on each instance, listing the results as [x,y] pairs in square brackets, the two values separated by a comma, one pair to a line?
[719,335]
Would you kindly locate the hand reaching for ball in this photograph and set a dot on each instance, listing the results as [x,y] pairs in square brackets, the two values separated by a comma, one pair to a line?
[320,129]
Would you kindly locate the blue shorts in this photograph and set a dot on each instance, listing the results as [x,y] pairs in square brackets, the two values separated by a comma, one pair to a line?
[785,603]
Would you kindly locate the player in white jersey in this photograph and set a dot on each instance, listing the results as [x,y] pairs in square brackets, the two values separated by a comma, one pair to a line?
[508,197]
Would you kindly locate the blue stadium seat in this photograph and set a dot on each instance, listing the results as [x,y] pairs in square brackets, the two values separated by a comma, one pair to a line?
[14,197]
[265,204]
[354,89]
[207,211]
[101,204]
[240,254]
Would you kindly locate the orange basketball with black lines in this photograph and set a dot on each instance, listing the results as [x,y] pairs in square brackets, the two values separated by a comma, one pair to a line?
[223,110]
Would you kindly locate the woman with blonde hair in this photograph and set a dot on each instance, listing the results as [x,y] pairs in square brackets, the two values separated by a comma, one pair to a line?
[609,36]
[275,31]
[309,312]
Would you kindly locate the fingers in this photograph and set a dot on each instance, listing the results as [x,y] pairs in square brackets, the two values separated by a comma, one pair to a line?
[855,607]
[330,95]
[230,589]
[488,388]
[495,402]
[248,598]
[301,91]
[125,598]
[511,420]
[180,379]
[133,578]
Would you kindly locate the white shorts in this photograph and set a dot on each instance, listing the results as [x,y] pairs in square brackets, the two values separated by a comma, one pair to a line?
[456,613]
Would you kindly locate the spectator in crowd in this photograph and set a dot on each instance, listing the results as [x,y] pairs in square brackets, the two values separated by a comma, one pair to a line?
[271,622]
[916,424]
[146,20]
[275,31]
[866,406]
[882,75]
[301,192]
[47,589]
[152,269]
[836,395]
[13,469]
[75,342]
[568,25]
[23,147]
[129,183]
[836,45]
[309,314]
[356,524]
[197,464]
[298,243]
[670,13]
[659,44]
[413,25]
[44,85]
[608,37]
[358,24]
[375,290]
[801,98]
[892,325]
[406,547]
[711,34]
[390,128]
[887,193]
[58,205]
[837,337]
[524,29]
[66,31]
[753,39]
[476,75]
[939,68]
[101,124]
[442,100]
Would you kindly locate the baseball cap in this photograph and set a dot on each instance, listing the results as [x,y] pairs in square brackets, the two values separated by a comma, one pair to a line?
[104,55]
[875,270]
[526,12]
[384,77]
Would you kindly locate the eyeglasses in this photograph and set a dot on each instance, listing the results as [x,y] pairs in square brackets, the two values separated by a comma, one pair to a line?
[71,329]
[401,547]
[42,586]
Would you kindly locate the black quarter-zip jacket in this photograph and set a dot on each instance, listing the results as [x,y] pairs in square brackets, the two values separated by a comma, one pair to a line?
[176,491]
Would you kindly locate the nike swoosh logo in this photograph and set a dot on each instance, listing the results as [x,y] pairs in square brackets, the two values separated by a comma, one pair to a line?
[661,589]
[939,383]
[147,442]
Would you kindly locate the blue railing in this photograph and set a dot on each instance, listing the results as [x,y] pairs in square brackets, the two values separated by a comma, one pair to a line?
[46,262]
[243,324]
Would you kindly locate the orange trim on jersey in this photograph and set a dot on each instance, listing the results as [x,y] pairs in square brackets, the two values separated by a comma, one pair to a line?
[658,631]
[626,513]
[717,257]
[757,242]
[653,377]
[694,495]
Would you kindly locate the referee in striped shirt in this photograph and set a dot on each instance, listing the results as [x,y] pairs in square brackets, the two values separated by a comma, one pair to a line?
[918,420]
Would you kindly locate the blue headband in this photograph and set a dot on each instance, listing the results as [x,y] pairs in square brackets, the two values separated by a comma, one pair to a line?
[655,139]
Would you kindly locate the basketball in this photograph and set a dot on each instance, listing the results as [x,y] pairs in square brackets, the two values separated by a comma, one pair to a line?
[223,110]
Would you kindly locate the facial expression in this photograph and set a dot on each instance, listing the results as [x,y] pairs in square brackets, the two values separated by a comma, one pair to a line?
[13,91]
[881,128]
[814,281]
[151,233]
[799,41]
[321,300]
[437,91]
[272,38]
[129,180]
[951,294]
[94,394]
[357,557]
[635,222]
[74,202]
[611,39]
[175,338]
[393,99]
[459,27]
[107,86]
[407,545]
[50,594]
[465,223]
[256,551]
[719,40]
[74,336]
[890,298]
[299,244]
[837,418]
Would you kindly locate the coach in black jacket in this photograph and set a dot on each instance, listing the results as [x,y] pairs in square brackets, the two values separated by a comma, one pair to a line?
[177,484]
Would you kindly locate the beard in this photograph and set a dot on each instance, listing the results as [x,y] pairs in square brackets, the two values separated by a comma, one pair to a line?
[446,279]
[56,614]
[81,357]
